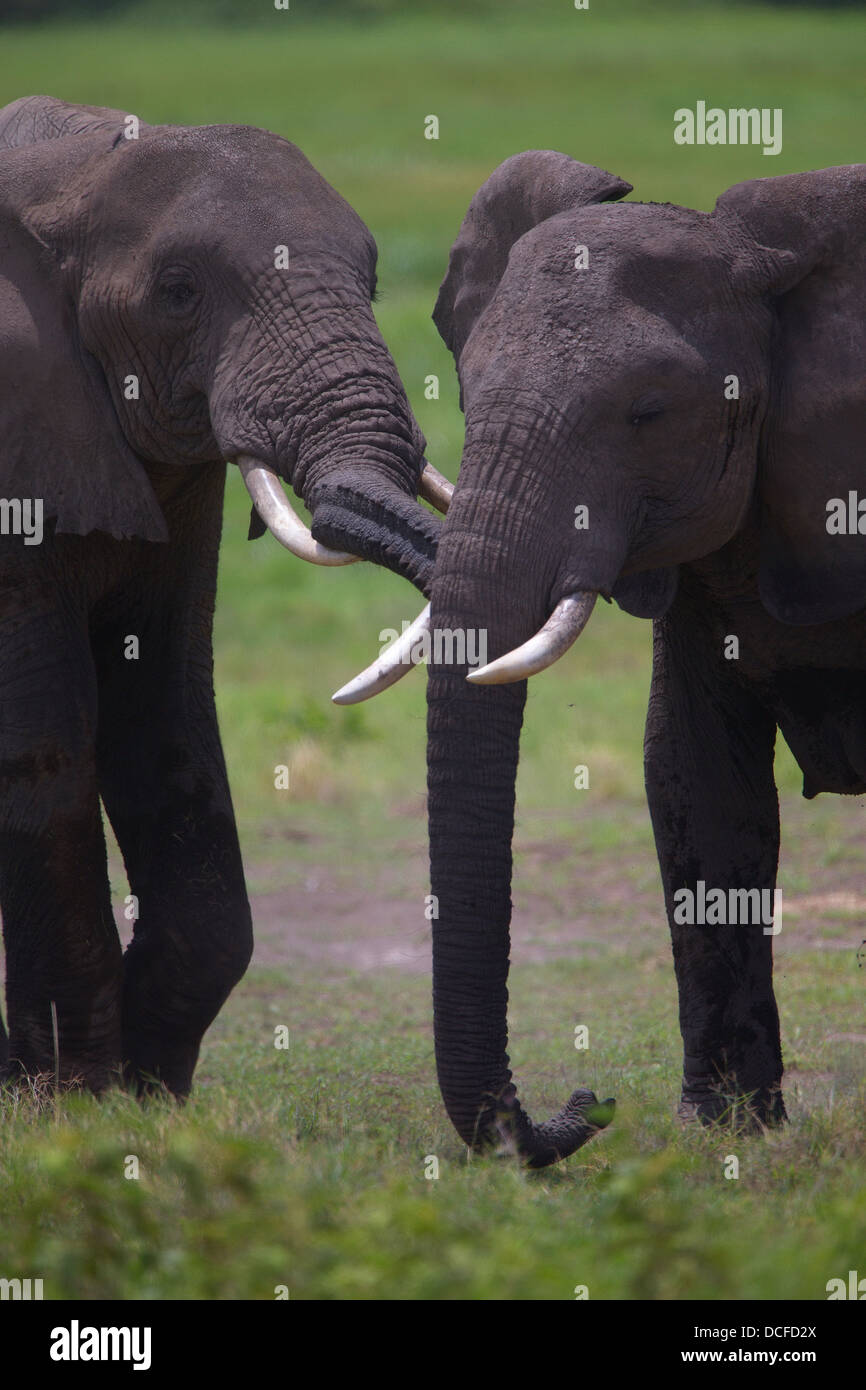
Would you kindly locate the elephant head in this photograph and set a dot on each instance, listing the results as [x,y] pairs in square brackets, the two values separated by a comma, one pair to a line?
[640,384]
[177,296]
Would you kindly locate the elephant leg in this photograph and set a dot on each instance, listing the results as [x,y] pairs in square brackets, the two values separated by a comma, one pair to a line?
[164,786]
[63,957]
[712,797]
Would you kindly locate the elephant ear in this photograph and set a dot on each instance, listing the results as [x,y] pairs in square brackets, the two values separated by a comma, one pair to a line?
[524,191]
[30,120]
[60,441]
[812,474]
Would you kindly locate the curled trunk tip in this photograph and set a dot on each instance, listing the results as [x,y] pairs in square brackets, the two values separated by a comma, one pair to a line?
[540,1145]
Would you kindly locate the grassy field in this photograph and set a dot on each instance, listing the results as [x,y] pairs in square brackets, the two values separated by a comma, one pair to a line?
[305,1166]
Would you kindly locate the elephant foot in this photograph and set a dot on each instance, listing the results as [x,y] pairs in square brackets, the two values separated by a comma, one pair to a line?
[154,1069]
[732,1107]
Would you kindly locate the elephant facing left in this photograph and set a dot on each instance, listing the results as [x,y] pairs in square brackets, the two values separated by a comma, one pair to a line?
[172,300]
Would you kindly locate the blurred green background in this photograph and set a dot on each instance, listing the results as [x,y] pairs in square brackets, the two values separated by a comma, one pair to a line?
[333,1164]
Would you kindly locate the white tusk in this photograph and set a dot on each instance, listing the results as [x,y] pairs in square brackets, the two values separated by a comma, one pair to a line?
[391,666]
[278,514]
[552,641]
[434,488]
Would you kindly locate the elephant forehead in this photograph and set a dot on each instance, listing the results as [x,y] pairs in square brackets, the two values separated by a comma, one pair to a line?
[228,184]
[624,248]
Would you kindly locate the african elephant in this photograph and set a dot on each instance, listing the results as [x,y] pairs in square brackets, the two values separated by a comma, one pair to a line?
[665,407]
[171,299]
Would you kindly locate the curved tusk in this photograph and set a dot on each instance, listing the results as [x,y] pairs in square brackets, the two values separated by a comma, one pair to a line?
[278,514]
[394,663]
[552,641]
[434,488]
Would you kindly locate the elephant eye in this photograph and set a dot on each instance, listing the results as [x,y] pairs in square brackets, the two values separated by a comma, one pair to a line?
[641,413]
[176,293]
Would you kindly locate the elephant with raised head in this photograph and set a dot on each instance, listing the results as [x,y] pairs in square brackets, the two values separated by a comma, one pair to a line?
[171,299]
[690,385]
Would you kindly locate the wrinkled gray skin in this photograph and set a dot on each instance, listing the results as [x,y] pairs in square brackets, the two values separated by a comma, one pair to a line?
[605,387]
[155,258]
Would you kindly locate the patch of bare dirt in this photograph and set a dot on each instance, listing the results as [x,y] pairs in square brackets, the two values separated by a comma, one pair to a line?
[369,915]
[382,927]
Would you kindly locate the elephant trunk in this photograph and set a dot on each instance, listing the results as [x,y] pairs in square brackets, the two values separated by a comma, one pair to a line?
[337,427]
[501,586]
[380,522]
[474,736]
[360,476]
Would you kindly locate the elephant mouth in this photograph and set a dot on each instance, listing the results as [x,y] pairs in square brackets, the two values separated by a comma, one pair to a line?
[280,517]
[382,524]
[552,641]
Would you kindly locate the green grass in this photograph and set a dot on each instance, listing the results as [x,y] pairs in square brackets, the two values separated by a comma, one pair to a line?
[305,1167]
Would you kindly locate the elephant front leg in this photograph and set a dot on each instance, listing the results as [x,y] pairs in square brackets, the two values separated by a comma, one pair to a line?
[714,806]
[193,939]
[165,789]
[63,957]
